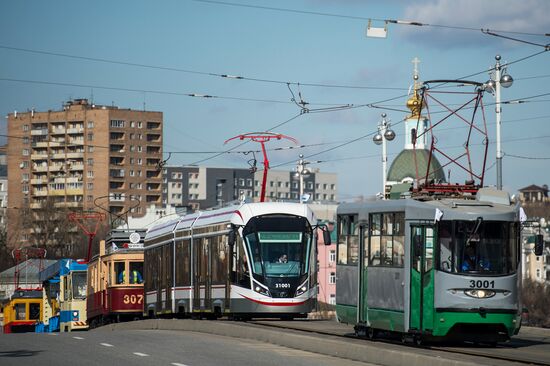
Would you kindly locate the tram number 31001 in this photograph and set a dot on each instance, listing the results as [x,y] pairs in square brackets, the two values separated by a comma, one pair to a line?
[482,284]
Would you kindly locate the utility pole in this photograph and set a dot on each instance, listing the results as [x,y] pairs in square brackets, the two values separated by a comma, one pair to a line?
[384,133]
[301,171]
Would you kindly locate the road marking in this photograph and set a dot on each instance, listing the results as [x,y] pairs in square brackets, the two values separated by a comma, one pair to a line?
[178,364]
[52,334]
[141,354]
[78,338]
[106,344]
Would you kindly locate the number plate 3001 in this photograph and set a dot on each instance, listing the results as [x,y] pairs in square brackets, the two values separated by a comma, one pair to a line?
[282,285]
[482,284]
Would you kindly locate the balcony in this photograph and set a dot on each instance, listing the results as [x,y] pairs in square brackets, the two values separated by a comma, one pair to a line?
[75,130]
[38,181]
[56,168]
[35,205]
[39,156]
[58,131]
[76,141]
[56,192]
[40,144]
[40,132]
[40,193]
[153,137]
[153,149]
[75,191]
[40,168]
[75,155]
[68,204]
[76,166]
[116,173]
[153,125]
[152,198]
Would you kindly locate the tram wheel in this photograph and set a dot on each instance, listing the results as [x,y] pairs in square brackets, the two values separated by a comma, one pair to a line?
[418,340]
[371,333]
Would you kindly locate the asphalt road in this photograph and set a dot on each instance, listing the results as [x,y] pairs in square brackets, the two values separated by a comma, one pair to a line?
[151,347]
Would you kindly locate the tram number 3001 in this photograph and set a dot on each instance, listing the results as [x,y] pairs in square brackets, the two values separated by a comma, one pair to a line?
[133,299]
[482,284]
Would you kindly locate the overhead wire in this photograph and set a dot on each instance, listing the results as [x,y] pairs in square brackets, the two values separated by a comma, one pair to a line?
[355,17]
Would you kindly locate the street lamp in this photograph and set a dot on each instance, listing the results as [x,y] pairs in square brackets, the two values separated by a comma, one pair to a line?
[499,77]
[384,133]
[301,171]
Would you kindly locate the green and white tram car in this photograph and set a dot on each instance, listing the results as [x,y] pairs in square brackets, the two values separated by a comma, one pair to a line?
[404,266]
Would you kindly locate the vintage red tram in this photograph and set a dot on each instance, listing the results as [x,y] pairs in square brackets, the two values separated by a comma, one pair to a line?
[115,282]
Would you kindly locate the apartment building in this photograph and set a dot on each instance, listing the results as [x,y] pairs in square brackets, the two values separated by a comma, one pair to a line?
[202,187]
[82,156]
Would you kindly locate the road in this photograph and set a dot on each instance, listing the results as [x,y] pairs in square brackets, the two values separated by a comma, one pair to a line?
[151,347]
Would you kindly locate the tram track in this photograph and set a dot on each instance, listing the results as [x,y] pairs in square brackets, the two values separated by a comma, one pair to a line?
[501,352]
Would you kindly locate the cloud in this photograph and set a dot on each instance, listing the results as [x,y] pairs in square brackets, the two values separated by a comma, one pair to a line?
[520,16]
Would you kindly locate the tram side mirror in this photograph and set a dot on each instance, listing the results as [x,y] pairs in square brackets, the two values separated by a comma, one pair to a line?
[326,236]
[232,237]
[417,242]
[539,244]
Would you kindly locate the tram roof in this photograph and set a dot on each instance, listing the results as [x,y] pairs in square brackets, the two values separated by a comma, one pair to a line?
[452,209]
[238,215]
[60,268]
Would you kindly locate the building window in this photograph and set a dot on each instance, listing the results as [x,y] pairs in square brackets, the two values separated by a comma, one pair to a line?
[26,140]
[256,183]
[333,187]
[332,256]
[25,152]
[25,164]
[90,161]
[131,136]
[90,174]
[317,186]
[332,300]
[249,182]
[139,161]
[139,173]
[90,186]
[25,188]
[132,148]
[295,185]
[310,185]
[132,124]
[131,173]
[139,148]
[117,123]
[139,124]
[90,124]
[131,161]
[90,149]
[241,182]
[332,278]
[25,128]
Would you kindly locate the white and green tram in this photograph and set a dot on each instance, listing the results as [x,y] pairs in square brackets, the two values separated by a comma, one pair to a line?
[435,269]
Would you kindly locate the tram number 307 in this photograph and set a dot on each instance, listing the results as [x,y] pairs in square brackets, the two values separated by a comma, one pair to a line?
[482,284]
[133,299]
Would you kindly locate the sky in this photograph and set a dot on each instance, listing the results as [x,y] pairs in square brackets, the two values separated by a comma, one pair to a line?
[156,54]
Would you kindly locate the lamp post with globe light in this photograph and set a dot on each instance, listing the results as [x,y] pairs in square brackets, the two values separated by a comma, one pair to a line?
[301,172]
[498,77]
[384,133]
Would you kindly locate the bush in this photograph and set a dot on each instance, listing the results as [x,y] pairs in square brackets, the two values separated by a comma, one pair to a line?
[536,299]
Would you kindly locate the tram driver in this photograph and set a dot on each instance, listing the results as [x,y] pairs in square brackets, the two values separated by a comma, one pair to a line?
[471,261]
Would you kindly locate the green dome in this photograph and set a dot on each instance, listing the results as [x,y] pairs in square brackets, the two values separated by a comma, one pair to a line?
[403,166]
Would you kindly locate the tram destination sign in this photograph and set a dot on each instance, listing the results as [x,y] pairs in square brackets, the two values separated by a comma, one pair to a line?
[280,236]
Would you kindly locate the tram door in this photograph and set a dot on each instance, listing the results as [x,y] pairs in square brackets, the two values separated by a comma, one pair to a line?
[201,288]
[422,278]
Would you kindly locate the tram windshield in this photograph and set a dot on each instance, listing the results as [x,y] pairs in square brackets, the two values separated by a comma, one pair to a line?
[278,246]
[482,247]
[79,285]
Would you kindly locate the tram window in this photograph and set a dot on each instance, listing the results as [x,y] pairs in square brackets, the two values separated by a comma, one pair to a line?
[20,311]
[348,240]
[136,272]
[243,274]
[183,262]
[34,311]
[79,285]
[429,239]
[120,273]
[387,239]
[219,260]
[446,259]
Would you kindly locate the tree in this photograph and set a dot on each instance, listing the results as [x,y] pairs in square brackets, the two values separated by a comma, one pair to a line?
[536,299]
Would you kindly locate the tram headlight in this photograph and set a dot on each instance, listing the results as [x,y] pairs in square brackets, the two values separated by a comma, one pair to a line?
[302,288]
[480,294]
[261,290]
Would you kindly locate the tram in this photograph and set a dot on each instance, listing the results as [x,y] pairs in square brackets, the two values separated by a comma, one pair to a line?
[115,279]
[440,269]
[23,311]
[250,260]
[64,296]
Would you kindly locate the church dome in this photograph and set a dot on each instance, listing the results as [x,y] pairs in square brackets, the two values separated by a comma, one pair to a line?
[403,166]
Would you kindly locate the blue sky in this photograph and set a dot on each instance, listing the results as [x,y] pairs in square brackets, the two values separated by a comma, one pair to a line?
[282,46]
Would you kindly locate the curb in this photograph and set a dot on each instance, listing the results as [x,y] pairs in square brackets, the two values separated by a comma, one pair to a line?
[328,345]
